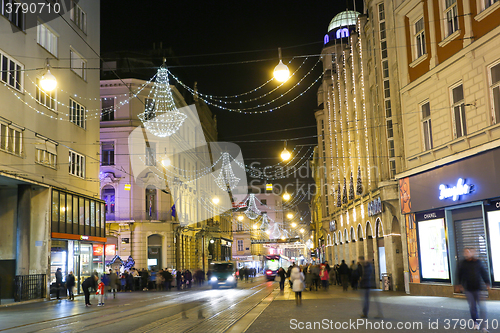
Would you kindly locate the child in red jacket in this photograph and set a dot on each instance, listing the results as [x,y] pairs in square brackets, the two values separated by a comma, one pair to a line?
[100,293]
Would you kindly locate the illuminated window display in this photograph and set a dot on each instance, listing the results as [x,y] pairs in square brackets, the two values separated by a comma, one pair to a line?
[433,249]
[494,230]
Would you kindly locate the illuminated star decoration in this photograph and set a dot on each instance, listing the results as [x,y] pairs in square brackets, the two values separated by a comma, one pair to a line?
[252,212]
[161,117]
[226,180]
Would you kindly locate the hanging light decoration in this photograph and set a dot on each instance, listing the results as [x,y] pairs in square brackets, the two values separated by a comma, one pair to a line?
[285,154]
[281,71]
[161,117]
[226,180]
[252,212]
[48,82]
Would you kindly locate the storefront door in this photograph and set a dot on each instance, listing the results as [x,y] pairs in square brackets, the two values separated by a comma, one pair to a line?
[470,234]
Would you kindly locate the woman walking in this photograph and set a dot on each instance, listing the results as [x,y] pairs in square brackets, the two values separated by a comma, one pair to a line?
[297,279]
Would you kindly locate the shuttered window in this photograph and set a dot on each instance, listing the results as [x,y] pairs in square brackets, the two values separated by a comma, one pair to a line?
[470,234]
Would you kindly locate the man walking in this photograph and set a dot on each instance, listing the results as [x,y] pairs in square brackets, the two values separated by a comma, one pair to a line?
[344,275]
[367,283]
[471,275]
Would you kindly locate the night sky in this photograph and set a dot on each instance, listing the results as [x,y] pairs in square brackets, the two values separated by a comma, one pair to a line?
[207,35]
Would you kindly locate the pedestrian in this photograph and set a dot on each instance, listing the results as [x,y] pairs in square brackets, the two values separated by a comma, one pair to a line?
[282,277]
[246,271]
[178,278]
[471,275]
[366,284]
[297,278]
[344,275]
[323,274]
[288,272]
[188,277]
[59,282]
[113,282]
[70,284]
[90,282]
[354,276]
[100,293]
[315,276]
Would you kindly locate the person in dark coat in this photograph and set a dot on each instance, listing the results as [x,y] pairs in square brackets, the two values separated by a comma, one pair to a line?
[471,277]
[282,275]
[178,277]
[366,283]
[188,277]
[344,275]
[59,282]
[70,284]
[90,282]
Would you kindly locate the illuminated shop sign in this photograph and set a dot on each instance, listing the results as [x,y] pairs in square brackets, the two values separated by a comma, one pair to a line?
[456,191]
[340,33]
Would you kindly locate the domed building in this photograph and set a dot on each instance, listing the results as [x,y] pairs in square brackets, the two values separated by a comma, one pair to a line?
[341,26]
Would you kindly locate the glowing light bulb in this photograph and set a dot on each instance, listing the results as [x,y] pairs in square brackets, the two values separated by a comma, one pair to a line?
[294,225]
[302,230]
[240,217]
[286,196]
[48,82]
[165,162]
[281,72]
[215,200]
[289,215]
[285,155]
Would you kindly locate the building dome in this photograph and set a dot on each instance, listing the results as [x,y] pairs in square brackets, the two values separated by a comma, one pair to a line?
[349,17]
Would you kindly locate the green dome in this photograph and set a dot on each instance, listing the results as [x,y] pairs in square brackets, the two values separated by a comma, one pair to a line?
[349,17]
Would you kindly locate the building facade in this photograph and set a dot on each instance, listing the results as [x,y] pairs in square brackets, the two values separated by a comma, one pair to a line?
[159,213]
[359,146]
[52,214]
[450,97]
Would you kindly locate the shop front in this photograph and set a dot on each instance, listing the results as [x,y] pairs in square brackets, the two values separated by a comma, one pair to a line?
[77,236]
[447,210]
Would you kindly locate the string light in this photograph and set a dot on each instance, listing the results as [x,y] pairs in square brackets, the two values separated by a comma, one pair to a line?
[226,180]
[252,212]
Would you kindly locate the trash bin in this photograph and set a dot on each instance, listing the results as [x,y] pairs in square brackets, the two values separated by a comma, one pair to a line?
[387,281]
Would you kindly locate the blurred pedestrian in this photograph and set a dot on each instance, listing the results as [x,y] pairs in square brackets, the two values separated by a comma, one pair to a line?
[282,277]
[178,278]
[90,282]
[315,276]
[471,275]
[366,284]
[113,282]
[354,276]
[59,282]
[344,275]
[297,278]
[323,274]
[70,284]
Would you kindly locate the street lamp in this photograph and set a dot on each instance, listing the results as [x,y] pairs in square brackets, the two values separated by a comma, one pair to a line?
[281,71]
[289,216]
[302,230]
[165,162]
[294,225]
[255,226]
[240,218]
[48,81]
[215,200]
[286,196]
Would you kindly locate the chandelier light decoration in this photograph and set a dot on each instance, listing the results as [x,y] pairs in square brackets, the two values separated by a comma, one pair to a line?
[252,212]
[161,117]
[226,180]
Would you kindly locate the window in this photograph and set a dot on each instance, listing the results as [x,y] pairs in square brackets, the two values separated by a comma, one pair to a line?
[433,249]
[451,13]
[240,245]
[149,108]
[108,153]
[426,125]
[78,16]
[11,139]
[458,107]
[387,89]
[382,30]
[108,195]
[420,38]
[150,201]
[239,226]
[76,164]
[16,17]
[78,65]
[390,131]
[47,99]
[46,154]
[385,69]
[495,93]
[388,110]
[77,113]
[151,154]
[392,168]
[383,48]
[381,12]
[47,38]
[11,71]
[488,3]
[108,108]
[391,148]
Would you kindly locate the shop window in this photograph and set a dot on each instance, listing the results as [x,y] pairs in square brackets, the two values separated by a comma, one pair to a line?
[495,93]
[55,211]
[433,250]
[494,233]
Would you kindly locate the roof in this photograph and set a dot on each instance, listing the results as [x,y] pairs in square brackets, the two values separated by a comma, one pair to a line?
[348,17]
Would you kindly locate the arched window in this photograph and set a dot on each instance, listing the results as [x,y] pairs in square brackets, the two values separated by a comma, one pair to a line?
[108,195]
